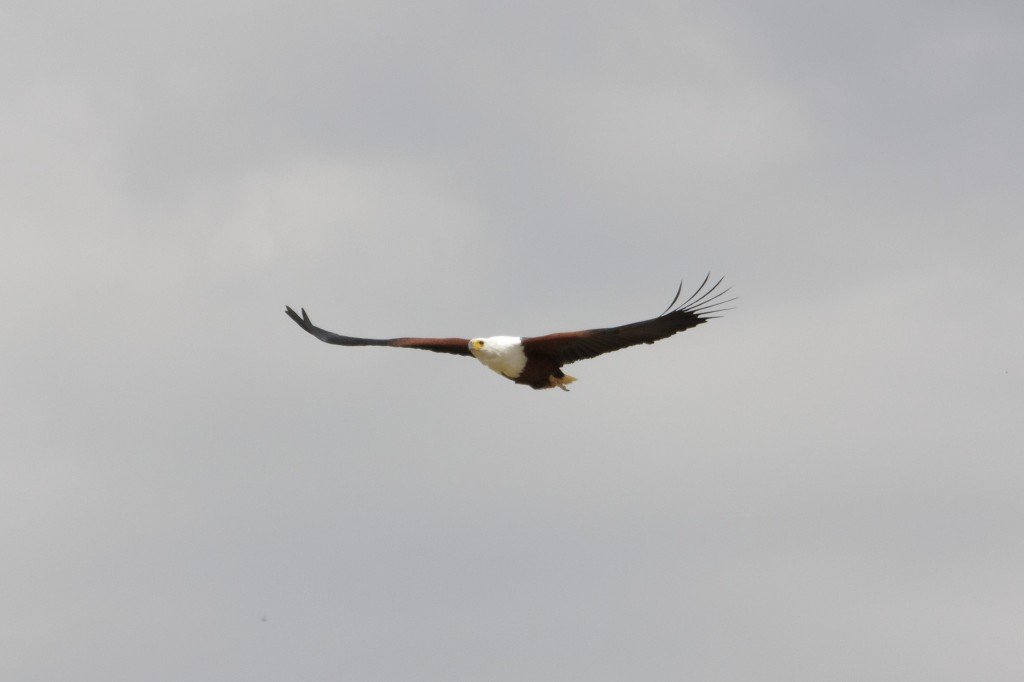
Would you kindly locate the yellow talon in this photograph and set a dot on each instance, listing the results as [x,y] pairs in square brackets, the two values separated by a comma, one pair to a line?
[561,381]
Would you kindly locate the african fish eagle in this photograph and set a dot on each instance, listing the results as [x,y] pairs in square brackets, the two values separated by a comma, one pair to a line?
[537,361]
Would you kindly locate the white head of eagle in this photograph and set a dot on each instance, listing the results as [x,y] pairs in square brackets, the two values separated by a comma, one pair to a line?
[503,354]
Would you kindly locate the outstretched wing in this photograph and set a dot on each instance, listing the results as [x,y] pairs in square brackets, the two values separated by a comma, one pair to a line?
[566,347]
[453,346]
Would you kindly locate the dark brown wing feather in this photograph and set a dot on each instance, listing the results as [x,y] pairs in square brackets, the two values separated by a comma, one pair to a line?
[453,346]
[566,347]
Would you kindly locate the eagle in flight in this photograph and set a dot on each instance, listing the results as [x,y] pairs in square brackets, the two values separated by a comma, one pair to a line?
[536,361]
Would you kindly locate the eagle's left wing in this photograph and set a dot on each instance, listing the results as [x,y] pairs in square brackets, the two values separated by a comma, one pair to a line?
[566,347]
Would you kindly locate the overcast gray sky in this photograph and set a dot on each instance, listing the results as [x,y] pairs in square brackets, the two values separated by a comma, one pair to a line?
[827,483]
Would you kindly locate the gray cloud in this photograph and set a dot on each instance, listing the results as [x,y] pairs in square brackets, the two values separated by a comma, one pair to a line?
[825,483]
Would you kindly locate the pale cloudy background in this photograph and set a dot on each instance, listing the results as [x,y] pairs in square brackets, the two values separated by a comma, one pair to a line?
[828,483]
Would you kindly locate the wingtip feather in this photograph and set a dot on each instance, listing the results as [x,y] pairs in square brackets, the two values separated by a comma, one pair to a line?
[674,299]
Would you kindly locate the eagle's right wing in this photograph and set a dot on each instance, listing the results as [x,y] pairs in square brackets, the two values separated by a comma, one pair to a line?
[453,346]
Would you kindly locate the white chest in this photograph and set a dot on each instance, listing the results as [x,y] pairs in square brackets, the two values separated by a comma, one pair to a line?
[503,354]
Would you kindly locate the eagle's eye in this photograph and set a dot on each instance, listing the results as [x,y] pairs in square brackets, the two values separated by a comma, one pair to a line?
[478,344]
